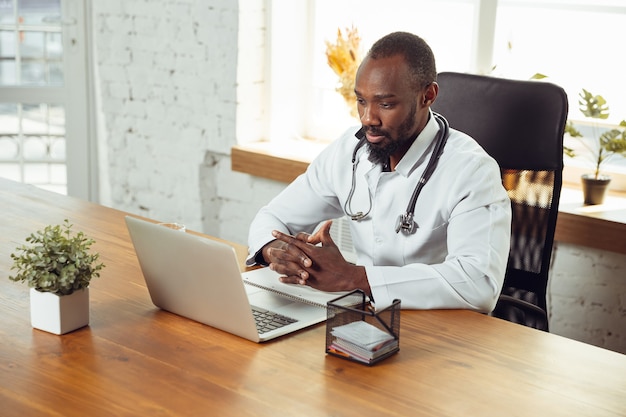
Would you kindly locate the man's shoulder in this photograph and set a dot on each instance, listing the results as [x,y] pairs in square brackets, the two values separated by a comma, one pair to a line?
[467,149]
[462,142]
[349,135]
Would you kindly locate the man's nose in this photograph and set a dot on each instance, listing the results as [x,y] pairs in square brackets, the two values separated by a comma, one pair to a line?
[369,116]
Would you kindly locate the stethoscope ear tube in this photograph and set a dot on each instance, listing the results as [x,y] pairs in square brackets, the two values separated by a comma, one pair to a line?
[358,215]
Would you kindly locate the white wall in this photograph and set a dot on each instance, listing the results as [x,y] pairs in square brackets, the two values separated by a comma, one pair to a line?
[587,296]
[181,80]
[167,78]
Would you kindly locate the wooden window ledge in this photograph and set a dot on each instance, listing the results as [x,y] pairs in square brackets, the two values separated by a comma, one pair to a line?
[602,226]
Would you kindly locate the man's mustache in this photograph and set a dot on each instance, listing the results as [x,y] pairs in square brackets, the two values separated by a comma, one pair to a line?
[375,131]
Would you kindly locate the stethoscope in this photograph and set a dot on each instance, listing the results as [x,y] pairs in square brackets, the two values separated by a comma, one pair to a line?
[405,221]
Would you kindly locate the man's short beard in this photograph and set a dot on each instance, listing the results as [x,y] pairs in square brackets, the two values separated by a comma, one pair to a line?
[381,152]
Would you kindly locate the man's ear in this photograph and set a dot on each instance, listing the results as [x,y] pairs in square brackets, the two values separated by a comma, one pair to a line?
[430,93]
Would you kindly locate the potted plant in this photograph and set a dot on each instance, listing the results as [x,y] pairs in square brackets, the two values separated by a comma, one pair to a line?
[58,267]
[610,143]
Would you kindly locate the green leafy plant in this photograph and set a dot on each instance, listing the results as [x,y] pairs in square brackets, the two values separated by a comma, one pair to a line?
[610,142]
[56,261]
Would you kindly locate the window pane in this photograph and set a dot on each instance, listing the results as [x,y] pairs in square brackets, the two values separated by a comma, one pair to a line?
[7,73]
[32,144]
[56,119]
[39,12]
[57,149]
[7,57]
[7,44]
[9,147]
[32,44]
[9,121]
[34,148]
[34,118]
[7,11]
[575,47]
[54,46]
[33,73]
[55,73]
[11,171]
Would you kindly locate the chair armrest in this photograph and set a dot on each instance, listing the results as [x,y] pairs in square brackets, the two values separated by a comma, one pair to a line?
[533,316]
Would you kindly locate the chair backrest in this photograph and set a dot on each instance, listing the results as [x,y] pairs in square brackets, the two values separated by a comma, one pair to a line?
[521,125]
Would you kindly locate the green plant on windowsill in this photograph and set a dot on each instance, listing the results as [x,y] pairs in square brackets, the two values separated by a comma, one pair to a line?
[610,143]
[56,261]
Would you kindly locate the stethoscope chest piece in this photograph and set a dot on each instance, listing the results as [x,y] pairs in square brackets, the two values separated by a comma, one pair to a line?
[406,223]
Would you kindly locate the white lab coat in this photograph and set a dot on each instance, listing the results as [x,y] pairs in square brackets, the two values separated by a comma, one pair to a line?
[458,255]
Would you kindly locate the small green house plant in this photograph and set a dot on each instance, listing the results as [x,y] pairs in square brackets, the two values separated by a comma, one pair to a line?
[58,267]
[610,143]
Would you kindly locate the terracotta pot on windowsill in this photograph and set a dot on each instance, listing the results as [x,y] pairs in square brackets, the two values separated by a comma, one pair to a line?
[594,189]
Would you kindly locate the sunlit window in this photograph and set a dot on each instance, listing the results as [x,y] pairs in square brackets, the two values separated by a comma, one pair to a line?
[576,44]
[447,25]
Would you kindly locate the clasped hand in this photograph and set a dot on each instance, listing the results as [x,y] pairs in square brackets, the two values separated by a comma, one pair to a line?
[314,260]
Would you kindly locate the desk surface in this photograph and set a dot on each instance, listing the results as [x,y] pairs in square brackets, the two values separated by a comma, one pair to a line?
[134,359]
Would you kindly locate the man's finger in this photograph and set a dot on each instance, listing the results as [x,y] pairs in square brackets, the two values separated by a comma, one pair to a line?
[324,234]
[292,279]
[291,240]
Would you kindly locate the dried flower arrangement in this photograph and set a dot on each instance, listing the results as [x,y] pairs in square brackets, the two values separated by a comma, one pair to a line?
[344,57]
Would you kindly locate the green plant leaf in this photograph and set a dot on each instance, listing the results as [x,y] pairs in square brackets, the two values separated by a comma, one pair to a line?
[571,130]
[56,261]
[609,143]
[593,106]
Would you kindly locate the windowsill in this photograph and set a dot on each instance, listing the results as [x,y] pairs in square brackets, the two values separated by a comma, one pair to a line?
[276,161]
[601,226]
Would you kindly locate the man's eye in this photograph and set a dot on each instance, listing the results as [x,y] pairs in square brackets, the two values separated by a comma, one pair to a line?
[386,105]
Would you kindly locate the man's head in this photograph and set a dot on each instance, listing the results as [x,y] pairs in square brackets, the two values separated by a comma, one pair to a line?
[395,86]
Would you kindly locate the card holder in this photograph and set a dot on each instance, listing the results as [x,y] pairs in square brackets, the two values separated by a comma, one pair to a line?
[357,332]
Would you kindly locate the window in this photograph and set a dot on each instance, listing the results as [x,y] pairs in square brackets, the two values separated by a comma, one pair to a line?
[301,78]
[44,114]
[576,43]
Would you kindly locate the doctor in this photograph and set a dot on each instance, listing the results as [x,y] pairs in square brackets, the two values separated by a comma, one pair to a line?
[449,251]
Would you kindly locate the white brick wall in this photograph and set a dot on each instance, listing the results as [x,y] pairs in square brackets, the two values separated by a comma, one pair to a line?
[587,296]
[178,84]
[167,77]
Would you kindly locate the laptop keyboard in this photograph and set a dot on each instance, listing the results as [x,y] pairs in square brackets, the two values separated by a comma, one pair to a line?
[267,320]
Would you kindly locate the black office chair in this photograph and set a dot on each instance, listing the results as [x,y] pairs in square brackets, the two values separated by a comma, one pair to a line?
[521,125]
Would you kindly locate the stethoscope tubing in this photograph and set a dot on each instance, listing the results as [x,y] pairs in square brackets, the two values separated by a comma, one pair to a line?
[405,221]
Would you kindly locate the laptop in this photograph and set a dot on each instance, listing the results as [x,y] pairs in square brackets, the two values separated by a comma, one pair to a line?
[199,278]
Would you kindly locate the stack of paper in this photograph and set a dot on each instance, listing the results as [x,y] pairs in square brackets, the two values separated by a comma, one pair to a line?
[361,341]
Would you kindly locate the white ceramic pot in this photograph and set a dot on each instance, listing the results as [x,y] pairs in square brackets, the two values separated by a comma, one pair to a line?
[59,314]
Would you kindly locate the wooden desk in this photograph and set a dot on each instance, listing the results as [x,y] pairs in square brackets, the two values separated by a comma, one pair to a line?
[135,360]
